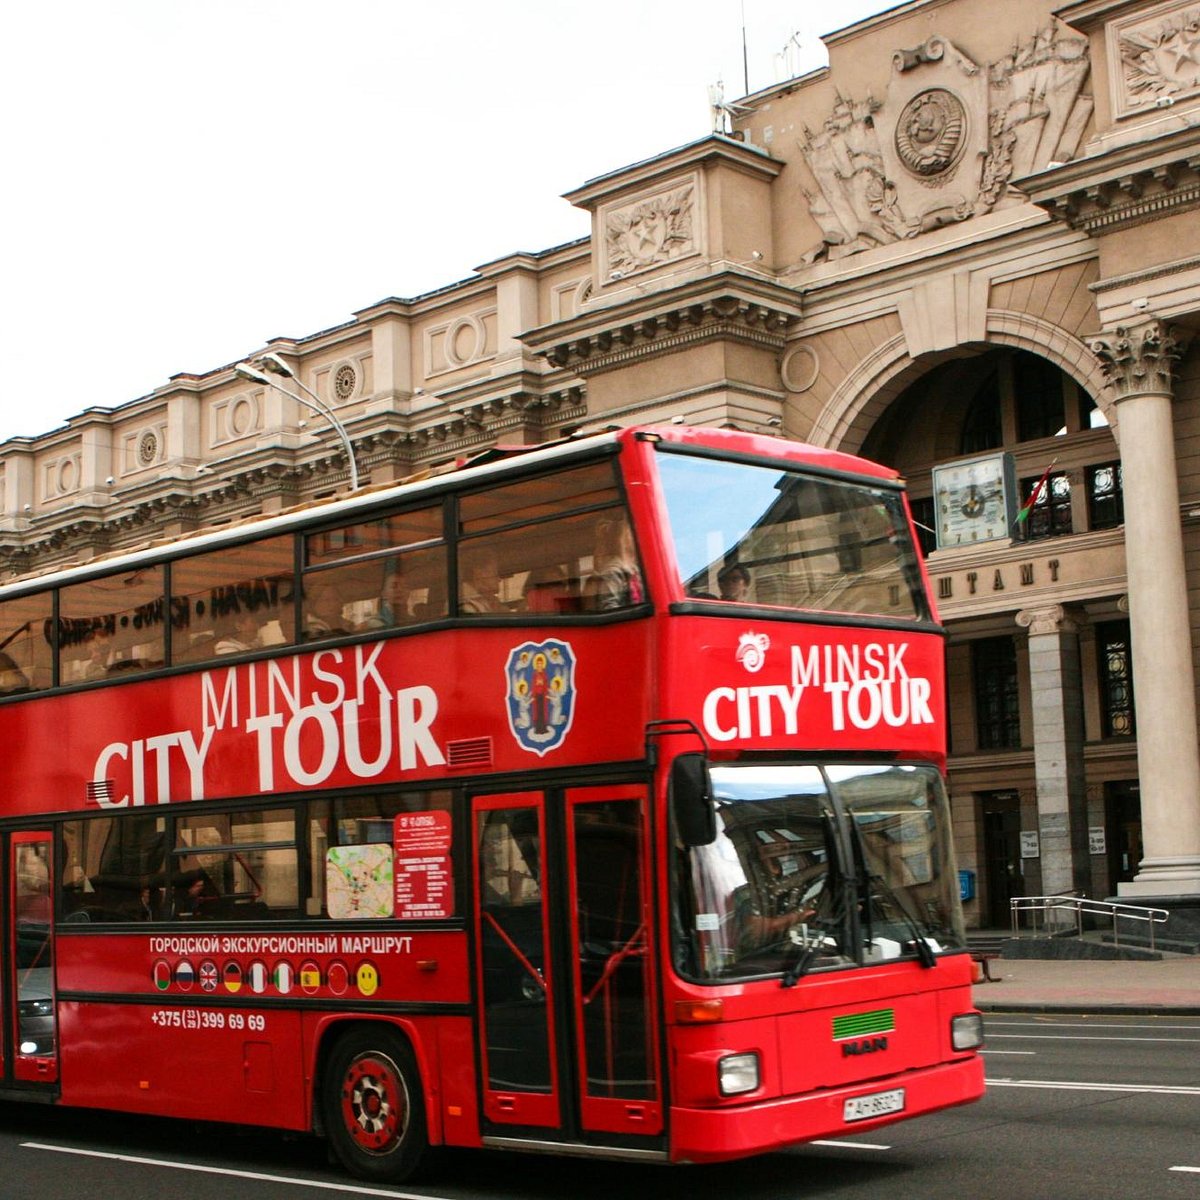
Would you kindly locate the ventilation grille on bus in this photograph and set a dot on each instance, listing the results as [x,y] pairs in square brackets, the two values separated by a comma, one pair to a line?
[469,752]
[99,790]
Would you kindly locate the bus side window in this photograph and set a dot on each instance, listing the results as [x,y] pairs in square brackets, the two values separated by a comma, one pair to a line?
[230,600]
[26,649]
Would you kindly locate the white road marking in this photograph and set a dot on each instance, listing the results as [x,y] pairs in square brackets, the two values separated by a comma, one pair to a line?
[1047,1023]
[1075,1037]
[1152,1089]
[352,1189]
[994,1053]
[1193,1170]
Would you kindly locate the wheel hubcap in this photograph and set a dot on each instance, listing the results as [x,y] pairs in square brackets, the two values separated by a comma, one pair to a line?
[374,1103]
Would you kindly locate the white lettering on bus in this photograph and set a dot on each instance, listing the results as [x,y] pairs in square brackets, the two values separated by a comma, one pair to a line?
[159,749]
[416,709]
[867,686]
[304,729]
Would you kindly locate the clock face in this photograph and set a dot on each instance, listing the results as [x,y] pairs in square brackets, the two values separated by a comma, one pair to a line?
[972,499]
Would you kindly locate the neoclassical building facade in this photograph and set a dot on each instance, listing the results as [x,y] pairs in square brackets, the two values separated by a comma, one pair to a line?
[970,248]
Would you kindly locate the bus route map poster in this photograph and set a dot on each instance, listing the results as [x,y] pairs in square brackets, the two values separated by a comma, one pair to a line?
[358,881]
[424,883]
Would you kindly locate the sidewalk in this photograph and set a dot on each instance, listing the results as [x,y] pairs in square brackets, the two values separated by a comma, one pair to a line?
[1170,986]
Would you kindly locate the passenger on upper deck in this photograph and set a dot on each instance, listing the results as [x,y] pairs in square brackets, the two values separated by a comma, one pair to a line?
[734,582]
[323,616]
[393,600]
[237,632]
[479,587]
[615,582]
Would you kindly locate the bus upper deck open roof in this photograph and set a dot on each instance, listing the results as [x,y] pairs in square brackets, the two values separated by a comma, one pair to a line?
[497,461]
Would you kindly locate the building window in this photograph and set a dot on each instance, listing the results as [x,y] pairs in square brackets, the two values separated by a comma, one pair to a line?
[1051,513]
[1116,679]
[982,429]
[1106,496]
[997,698]
[925,518]
[1038,388]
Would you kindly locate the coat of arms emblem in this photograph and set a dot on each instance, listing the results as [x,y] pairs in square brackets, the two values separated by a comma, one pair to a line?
[540,693]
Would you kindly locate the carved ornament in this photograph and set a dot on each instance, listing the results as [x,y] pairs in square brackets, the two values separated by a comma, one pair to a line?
[650,231]
[945,142]
[1139,361]
[1160,57]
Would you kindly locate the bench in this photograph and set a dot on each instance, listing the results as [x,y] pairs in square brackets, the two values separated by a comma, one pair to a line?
[985,965]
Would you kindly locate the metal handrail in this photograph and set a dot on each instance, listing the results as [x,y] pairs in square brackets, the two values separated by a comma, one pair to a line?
[1080,905]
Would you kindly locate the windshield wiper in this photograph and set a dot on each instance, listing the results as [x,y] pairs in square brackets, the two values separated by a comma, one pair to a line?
[873,884]
[806,948]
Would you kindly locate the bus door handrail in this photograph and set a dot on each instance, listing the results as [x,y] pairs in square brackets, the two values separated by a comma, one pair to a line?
[616,958]
[516,950]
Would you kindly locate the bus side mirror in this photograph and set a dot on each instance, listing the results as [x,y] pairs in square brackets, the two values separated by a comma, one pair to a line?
[691,801]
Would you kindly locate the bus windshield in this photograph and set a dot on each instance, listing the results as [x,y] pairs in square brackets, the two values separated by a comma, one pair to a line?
[835,865]
[768,535]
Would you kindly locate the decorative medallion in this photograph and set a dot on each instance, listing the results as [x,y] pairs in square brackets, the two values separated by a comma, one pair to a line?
[148,448]
[929,133]
[345,381]
[540,693]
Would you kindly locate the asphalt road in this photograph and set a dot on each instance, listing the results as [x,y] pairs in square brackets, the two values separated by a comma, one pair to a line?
[1078,1108]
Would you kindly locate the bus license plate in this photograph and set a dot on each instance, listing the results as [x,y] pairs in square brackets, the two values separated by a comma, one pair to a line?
[862,1108]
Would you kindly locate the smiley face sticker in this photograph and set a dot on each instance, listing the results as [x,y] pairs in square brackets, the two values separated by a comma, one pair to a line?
[367,978]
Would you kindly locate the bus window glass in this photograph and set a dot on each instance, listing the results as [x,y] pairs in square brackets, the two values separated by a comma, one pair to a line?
[396,532]
[896,814]
[110,626]
[413,589]
[356,853]
[363,584]
[538,499]
[235,866]
[801,541]
[232,601]
[768,888]
[26,644]
[34,951]
[114,868]
[338,600]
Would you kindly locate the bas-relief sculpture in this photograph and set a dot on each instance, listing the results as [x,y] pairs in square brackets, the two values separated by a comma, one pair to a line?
[944,143]
[650,231]
[1161,57]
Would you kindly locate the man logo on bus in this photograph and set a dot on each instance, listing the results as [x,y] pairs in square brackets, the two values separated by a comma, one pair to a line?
[540,679]
[752,650]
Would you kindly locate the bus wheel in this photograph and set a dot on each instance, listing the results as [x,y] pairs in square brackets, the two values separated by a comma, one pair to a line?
[374,1110]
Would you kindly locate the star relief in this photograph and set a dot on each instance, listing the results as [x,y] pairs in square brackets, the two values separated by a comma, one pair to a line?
[1183,49]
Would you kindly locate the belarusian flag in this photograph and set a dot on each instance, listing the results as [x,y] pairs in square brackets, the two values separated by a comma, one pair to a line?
[1027,507]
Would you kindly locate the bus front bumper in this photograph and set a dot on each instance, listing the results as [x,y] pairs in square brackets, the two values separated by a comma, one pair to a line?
[717,1134]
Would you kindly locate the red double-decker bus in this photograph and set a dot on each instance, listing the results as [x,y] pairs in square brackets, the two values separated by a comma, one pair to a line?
[587,800]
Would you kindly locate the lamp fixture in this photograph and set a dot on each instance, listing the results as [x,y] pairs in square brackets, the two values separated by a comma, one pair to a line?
[271,362]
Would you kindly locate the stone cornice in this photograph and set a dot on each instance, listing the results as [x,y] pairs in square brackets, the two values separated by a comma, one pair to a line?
[731,306]
[715,148]
[1127,185]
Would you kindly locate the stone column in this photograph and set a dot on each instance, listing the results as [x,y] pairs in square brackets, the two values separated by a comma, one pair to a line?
[1138,363]
[1057,694]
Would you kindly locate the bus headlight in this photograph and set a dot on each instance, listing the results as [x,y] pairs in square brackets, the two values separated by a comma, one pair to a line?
[737,1073]
[966,1031]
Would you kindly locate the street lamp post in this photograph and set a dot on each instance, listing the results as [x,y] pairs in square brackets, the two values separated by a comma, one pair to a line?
[272,363]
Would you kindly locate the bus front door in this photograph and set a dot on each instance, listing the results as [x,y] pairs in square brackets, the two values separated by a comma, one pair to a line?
[564,969]
[30,1038]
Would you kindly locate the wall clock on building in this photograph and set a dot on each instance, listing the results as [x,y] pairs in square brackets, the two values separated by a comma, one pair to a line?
[974,500]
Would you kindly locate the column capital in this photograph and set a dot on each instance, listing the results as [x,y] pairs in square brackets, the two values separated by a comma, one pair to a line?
[1050,618]
[1139,359]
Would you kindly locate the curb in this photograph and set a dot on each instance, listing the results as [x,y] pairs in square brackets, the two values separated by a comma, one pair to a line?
[1143,1009]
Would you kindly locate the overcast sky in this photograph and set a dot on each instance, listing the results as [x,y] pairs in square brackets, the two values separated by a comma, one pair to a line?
[187,180]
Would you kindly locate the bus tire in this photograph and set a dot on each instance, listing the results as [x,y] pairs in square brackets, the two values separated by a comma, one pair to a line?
[373,1105]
